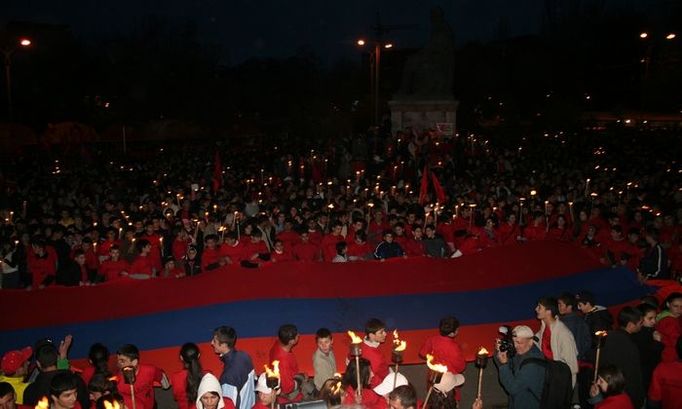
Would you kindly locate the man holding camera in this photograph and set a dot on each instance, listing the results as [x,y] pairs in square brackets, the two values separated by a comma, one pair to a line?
[523,383]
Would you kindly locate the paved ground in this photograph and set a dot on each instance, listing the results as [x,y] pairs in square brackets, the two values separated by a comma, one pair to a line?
[493,395]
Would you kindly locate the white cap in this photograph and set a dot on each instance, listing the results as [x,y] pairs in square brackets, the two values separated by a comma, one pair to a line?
[523,331]
[449,381]
[262,385]
[386,386]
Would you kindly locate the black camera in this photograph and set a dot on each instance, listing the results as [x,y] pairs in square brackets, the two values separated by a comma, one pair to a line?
[506,341]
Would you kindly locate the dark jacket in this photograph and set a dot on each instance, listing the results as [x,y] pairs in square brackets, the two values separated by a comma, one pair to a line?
[41,387]
[620,350]
[523,385]
[649,353]
[581,334]
[388,250]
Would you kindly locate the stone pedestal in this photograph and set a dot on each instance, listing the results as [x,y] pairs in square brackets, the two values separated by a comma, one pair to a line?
[424,114]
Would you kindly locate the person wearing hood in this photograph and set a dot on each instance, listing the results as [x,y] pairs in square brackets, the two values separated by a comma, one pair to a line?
[209,394]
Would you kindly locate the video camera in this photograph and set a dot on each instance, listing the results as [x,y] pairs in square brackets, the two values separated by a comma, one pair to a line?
[506,340]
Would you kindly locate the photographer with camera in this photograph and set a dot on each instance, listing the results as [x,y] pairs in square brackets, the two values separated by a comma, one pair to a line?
[523,383]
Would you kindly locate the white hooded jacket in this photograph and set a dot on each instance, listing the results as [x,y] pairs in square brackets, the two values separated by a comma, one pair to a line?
[209,383]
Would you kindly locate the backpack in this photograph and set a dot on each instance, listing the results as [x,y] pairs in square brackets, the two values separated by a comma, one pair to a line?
[557,390]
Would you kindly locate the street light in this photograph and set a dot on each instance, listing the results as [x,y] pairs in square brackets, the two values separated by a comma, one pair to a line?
[375,72]
[21,43]
[644,35]
[670,36]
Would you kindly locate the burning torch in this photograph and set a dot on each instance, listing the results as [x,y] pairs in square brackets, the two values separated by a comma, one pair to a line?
[272,379]
[437,371]
[481,363]
[355,352]
[397,354]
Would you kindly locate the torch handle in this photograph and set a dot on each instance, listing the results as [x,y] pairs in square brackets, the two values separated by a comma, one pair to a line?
[596,363]
[132,395]
[426,400]
[395,374]
[357,376]
[480,382]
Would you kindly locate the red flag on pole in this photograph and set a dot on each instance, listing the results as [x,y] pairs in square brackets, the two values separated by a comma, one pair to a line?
[424,188]
[217,179]
[440,193]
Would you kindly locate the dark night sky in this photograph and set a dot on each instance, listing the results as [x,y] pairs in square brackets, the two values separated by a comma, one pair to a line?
[276,28]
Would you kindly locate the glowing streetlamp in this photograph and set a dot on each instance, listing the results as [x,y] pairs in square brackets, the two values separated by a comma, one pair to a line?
[644,35]
[375,71]
[671,36]
[21,43]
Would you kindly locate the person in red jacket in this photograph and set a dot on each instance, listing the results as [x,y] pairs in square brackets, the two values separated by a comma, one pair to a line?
[42,263]
[211,258]
[266,395]
[329,241]
[368,398]
[289,237]
[186,381]
[537,230]
[142,267]
[115,267]
[608,391]
[137,378]
[290,377]
[666,383]
[375,335]
[306,250]
[359,249]
[669,325]
[232,250]
[444,347]
[280,253]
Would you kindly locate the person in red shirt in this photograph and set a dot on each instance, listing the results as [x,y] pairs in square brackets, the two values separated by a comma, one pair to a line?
[288,236]
[255,250]
[232,250]
[665,390]
[142,378]
[413,246]
[266,396]
[306,250]
[358,225]
[98,358]
[368,398]
[509,231]
[329,241]
[375,335]
[114,268]
[171,268]
[155,240]
[91,260]
[142,268]
[279,253]
[42,263]
[669,325]
[211,258]
[559,230]
[399,235]
[537,229]
[616,247]
[608,391]
[186,381]
[314,233]
[180,243]
[359,249]
[290,377]
[104,247]
[445,349]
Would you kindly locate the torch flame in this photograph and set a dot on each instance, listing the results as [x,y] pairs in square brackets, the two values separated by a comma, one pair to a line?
[43,403]
[398,345]
[435,367]
[600,333]
[109,405]
[354,339]
[482,351]
[272,373]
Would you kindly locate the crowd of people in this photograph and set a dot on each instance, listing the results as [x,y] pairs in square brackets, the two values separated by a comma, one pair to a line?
[91,216]
[638,364]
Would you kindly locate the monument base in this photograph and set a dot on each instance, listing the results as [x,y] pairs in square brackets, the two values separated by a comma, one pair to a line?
[424,114]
